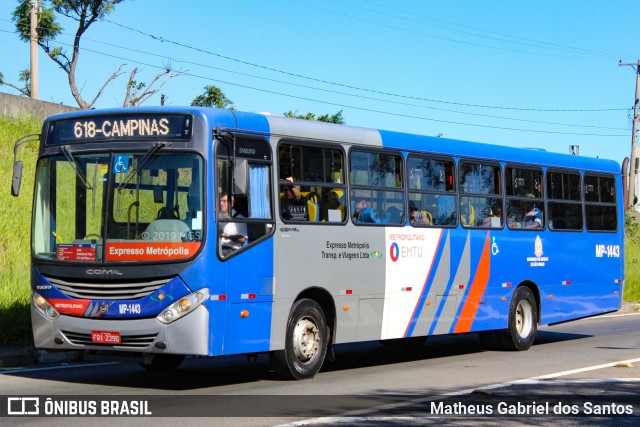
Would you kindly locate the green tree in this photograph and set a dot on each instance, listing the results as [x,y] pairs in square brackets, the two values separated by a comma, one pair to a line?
[85,12]
[212,97]
[333,118]
[25,78]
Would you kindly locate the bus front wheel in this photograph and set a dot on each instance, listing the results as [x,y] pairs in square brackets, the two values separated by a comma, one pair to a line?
[305,342]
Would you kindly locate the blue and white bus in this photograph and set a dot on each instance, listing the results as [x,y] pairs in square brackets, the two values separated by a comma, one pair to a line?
[327,234]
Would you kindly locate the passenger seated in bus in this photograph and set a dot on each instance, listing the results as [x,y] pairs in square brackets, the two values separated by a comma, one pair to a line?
[234,234]
[293,205]
[417,217]
[358,207]
[533,216]
[362,212]
[492,216]
[331,208]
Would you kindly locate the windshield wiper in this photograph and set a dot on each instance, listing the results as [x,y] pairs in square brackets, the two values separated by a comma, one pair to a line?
[141,164]
[67,153]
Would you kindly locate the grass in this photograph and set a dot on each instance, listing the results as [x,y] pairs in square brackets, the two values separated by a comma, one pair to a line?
[15,323]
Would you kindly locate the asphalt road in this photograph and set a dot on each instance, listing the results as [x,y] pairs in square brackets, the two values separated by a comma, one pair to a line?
[584,373]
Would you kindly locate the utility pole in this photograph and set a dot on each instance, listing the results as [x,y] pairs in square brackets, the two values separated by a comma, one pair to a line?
[634,161]
[33,79]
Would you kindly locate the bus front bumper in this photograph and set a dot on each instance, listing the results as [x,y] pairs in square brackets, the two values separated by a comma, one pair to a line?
[187,335]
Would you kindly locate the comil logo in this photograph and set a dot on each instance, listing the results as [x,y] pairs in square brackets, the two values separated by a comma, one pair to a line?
[104,272]
[23,406]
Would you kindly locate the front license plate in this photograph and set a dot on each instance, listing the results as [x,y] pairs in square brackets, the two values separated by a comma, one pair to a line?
[105,337]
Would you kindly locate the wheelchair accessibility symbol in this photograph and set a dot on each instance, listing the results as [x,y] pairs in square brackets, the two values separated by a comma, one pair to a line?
[121,164]
[494,247]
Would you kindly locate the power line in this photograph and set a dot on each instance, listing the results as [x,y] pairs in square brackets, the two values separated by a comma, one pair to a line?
[171,59]
[415,98]
[432,36]
[553,45]
[371,110]
[345,105]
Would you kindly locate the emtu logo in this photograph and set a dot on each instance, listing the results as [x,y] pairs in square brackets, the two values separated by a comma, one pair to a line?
[394,252]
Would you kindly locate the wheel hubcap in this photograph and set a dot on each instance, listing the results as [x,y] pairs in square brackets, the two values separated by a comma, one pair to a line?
[524,318]
[306,339]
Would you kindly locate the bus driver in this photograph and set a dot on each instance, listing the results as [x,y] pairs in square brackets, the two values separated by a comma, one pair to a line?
[234,234]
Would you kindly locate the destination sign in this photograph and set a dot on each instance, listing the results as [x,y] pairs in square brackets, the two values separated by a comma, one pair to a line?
[176,127]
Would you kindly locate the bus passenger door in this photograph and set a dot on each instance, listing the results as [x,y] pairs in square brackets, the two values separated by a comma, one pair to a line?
[244,215]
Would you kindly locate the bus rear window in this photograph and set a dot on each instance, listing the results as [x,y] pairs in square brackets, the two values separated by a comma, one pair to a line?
[600,203]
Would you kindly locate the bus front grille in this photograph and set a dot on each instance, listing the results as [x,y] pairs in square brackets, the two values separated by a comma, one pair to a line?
[107,290]
[130,341]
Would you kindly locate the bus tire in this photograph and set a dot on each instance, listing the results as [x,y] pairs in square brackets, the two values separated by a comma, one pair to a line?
[305,342]
[163,362]
[523,321]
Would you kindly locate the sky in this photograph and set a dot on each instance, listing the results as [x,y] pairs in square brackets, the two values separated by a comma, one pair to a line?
[537,74]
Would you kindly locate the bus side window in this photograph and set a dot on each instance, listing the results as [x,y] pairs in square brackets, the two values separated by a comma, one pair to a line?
[315,175]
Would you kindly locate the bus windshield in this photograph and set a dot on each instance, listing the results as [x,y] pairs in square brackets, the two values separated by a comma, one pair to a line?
[118,207]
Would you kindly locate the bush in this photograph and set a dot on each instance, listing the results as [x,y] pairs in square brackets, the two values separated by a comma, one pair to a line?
[632,259]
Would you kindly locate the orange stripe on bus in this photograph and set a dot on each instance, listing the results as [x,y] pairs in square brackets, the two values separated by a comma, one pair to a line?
[476,292]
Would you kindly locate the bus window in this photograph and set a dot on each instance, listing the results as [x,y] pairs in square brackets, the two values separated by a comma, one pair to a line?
[523,181]
[525,204]
[600,203]
[154,199]
[565,201]
[311,183]
[431,183]
[481,200]
[69,207]
[164,190]
[376,192]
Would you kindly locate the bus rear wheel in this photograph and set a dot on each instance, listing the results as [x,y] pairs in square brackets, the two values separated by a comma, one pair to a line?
[523,322]
[305,342]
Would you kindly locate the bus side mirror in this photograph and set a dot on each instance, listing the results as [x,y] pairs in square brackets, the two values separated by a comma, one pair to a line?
[17,178]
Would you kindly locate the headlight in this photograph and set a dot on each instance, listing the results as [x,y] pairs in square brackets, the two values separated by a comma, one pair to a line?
[43,306]
[183,306]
